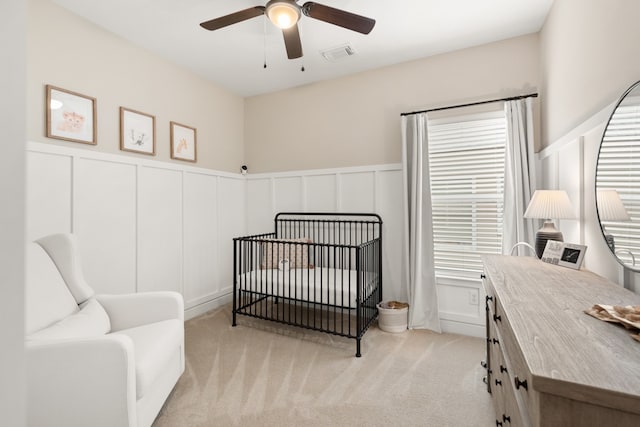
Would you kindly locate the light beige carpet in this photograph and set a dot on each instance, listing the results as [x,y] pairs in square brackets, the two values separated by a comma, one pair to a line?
[265,374]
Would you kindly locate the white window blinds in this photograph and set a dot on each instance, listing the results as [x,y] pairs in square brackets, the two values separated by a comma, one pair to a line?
[466,161]
[619,169]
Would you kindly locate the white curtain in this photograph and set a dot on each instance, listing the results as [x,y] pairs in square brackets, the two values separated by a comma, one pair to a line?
[519,174]
[419,271]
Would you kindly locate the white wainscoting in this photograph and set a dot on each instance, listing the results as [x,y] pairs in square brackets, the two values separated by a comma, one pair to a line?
[146,225]
[143,225]
[461,304]
[104,219]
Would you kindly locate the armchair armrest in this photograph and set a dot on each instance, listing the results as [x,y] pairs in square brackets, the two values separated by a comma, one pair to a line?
[131,310]
[81,382]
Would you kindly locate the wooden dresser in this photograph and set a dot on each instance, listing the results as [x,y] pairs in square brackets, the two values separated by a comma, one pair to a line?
[548,363]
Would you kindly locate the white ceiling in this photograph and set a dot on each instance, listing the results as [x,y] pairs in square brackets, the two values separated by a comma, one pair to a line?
[233,56]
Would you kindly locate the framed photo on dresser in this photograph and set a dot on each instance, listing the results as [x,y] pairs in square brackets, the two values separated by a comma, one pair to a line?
[564,254]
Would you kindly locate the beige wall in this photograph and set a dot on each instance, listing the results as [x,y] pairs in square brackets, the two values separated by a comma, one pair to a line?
[67,51]
[589,56]
[355,120]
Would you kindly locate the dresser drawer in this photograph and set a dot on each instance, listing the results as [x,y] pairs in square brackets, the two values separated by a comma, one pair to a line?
[502,387]
[496,379]
[525,398]
[513,414]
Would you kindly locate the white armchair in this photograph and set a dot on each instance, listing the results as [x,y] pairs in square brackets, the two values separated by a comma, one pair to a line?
[95,360]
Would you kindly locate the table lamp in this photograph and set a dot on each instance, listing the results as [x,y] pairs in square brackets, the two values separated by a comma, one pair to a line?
[549,205]
[610,208]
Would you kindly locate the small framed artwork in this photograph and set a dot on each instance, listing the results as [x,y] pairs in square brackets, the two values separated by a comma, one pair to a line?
[183,142]
[137,132]
[564,254]
[70,116]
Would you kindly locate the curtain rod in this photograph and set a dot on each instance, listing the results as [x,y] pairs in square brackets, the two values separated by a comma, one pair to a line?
[512,98]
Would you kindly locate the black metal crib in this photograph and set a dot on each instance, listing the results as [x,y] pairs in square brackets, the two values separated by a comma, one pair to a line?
[320,271]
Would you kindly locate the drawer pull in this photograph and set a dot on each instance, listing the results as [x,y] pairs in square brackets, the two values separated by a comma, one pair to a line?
[498,423]
[502,369]
[506,419]
[483,364]
[495,341]
[497,318]
[522,384]
[489,298]
[498,382]
[482,276]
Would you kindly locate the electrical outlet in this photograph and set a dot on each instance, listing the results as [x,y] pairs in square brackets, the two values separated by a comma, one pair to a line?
[473,297]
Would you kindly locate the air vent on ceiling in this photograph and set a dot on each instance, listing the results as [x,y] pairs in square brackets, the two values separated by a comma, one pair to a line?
[338,53]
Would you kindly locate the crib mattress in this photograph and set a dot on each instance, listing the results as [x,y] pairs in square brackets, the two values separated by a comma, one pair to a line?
[322,285]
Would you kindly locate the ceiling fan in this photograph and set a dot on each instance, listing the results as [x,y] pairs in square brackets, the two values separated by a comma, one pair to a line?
[285,15]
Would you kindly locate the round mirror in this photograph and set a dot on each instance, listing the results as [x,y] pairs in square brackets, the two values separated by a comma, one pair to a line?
[618,180]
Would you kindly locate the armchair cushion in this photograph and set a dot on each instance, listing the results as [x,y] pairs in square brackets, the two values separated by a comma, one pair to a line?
[48,299]
[90,321]
[151,343]
[63,249]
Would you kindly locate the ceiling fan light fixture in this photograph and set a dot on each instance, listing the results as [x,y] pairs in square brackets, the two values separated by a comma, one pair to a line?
[284,14]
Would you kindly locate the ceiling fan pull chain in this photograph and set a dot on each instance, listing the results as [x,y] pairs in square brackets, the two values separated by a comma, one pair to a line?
[264,36]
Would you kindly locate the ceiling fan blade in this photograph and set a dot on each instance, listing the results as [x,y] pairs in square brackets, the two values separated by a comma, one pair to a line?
[292,42]
[339,17]
[233,18]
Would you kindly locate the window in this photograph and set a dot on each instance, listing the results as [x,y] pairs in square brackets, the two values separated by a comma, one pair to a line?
[466,156]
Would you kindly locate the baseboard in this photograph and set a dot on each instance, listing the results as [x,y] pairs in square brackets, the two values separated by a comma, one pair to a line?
[447,326]
[199,309]
[472,330]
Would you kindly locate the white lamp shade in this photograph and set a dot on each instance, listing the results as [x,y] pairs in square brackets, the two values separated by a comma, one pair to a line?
[550,204]
[610,207]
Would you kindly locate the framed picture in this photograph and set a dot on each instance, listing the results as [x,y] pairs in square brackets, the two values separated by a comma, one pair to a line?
[183,142]
[564,254]
[137,132]
[71,116]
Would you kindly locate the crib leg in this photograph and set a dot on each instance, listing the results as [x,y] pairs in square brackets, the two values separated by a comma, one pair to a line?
[233,322]
[358,354]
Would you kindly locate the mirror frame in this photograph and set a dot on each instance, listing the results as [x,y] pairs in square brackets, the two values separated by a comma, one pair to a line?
[635,268]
